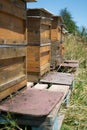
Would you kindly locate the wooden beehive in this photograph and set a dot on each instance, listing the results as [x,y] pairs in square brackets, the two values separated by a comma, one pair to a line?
[12,70]
[39,39]
[57,47]
[12,22]
[12,46]
[39,26]
[38,62]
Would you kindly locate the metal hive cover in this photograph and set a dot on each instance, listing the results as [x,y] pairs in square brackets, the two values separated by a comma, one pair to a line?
[73,65]
[58,78]
[32,102]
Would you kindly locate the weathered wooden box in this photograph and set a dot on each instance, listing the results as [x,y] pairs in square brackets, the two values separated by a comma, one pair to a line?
[39,26]
[38,61]
[56,31]
[12,46]
[12,22]
[57,47]
[12,69]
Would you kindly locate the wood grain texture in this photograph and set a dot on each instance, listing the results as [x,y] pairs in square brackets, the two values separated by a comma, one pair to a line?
[38,60]
[12,89]
[12,69]
[12,52]
[12,22]
[16,8]
[39,31]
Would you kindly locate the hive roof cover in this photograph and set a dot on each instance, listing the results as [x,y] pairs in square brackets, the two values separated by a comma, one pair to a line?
[58,78]
[32,102]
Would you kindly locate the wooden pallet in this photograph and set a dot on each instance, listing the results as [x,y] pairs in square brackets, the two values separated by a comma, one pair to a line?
[51,122]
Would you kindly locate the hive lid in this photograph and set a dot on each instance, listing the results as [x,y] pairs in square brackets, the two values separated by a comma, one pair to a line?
[32,102]
[30,0]
[39,12]
[58,78]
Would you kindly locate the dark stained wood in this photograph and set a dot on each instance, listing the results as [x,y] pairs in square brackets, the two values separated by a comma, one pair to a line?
[16,8]
[12,52]
[57,48]
[39,26]
[39,12]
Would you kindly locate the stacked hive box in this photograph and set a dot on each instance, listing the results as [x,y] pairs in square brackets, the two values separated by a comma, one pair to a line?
[57,48]
[12,46]
[39,38]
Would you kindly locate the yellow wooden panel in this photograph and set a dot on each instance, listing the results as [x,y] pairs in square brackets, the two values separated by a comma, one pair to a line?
[12,89]
[12,29]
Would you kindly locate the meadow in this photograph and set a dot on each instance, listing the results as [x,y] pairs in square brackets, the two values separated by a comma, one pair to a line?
[76,114]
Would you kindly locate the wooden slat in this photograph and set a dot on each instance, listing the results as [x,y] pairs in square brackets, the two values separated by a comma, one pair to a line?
[12,89]
[38,60]
[60,120]
[51,117]
[32,68]
[11,82]
[11,61]
[36,63]
[33,53]
[44,60]
[12,30]
[12,52]
[10,72]
[13,8]
[44,49]
[33,77]
[44,69]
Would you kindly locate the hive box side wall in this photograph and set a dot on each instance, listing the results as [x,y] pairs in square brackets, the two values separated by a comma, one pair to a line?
[54,53]
[33,34]
[33,59]
[44,59]
[13,69]
[39,30]
[38,62]
[56,30]
[12,22]
[45,31]
[57,53]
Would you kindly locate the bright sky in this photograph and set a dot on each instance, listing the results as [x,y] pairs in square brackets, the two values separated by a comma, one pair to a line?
[77,8]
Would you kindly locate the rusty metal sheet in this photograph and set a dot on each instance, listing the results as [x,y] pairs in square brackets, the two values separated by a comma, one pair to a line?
[32,102]
[58,78]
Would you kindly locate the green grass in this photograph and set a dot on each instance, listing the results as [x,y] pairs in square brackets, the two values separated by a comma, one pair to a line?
[76,114]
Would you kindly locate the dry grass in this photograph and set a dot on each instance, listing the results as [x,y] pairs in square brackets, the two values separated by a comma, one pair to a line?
[76,115]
